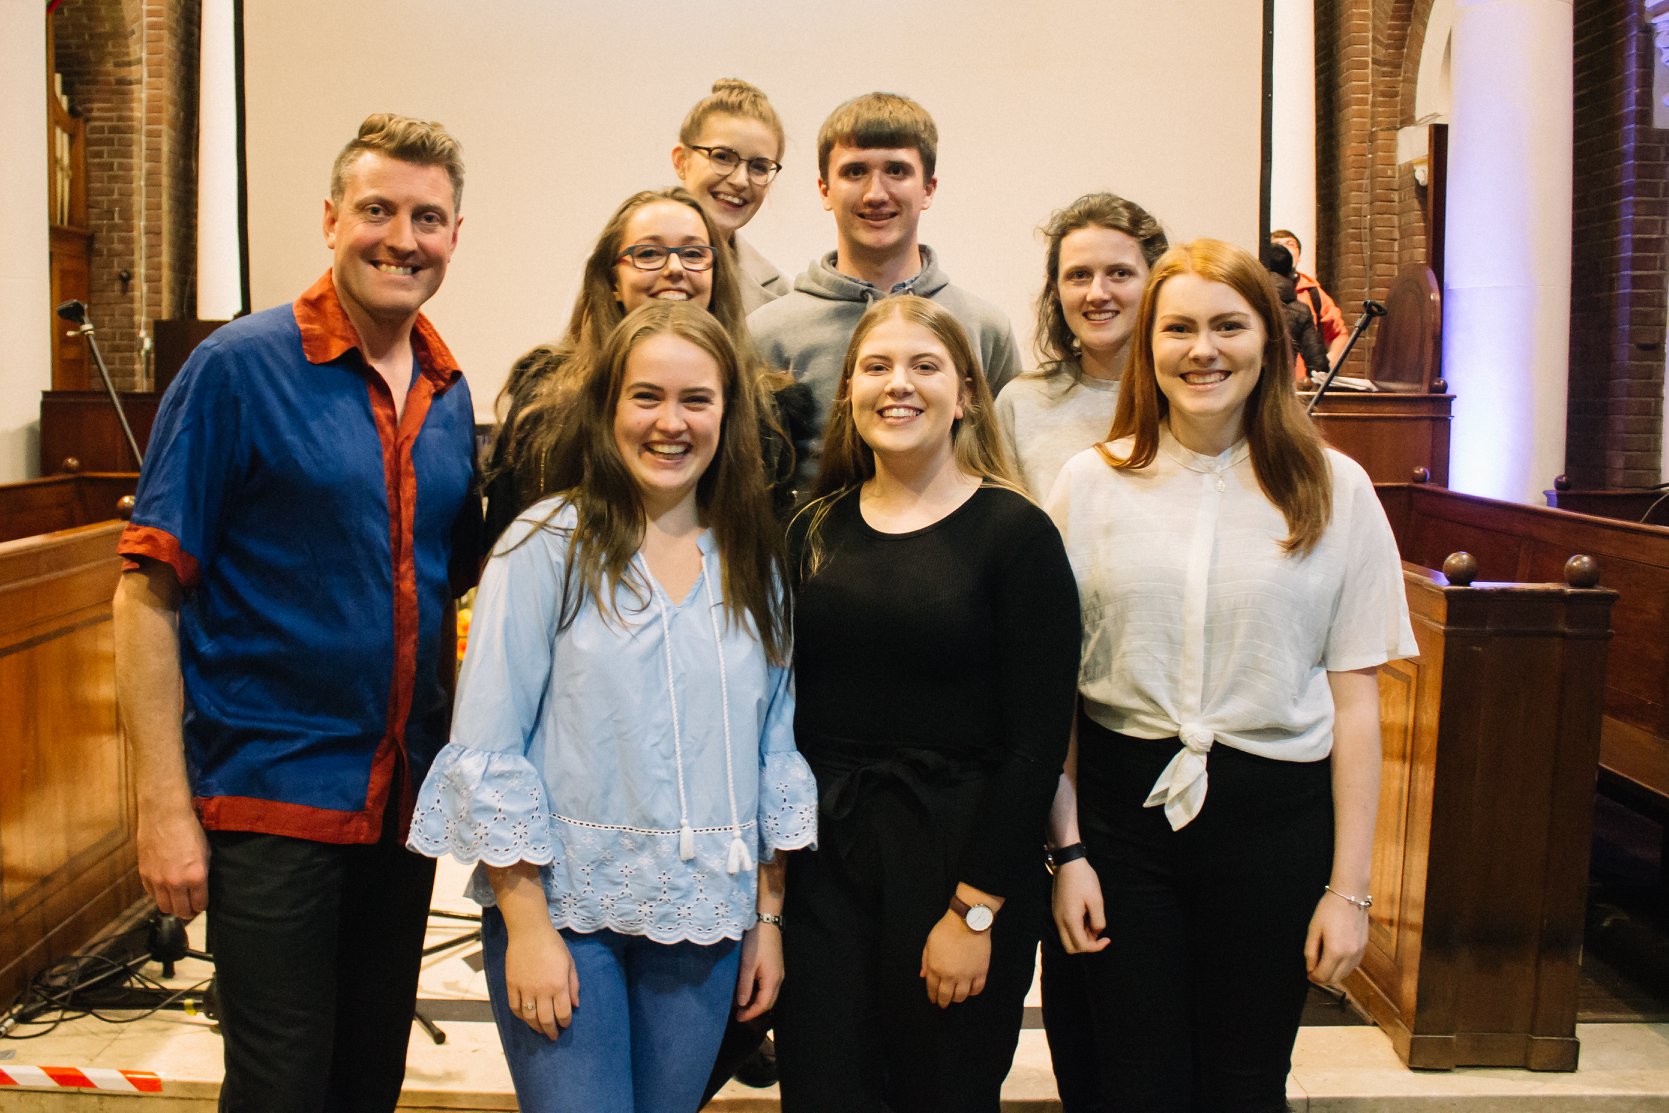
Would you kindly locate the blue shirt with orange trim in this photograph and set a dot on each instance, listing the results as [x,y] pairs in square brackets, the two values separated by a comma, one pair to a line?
[319,540]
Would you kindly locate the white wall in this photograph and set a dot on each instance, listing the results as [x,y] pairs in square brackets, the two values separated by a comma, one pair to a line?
[564,109]
[25,274]
[1292,154]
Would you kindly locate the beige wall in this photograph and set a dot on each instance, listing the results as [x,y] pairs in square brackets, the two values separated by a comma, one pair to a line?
[564,109]
[25,281]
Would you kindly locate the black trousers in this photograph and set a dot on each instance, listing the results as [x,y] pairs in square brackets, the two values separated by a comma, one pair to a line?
[1069,1024]
[1198,998]
[854,1028]
[316,949]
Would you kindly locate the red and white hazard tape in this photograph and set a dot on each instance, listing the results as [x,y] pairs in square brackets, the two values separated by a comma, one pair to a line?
[81,1078]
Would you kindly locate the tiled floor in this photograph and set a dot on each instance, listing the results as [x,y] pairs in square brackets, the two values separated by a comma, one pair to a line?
[1625,1067]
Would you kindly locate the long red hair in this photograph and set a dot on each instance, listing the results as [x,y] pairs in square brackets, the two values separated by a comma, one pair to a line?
[1289,457]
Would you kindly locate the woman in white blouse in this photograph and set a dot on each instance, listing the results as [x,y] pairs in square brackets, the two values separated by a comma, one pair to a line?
[1240,588]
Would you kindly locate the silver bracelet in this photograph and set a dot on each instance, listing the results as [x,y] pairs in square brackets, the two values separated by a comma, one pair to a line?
[769,918]
[1364,903]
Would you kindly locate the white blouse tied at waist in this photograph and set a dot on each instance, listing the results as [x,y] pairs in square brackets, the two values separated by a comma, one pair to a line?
[1197,625]
[643,760]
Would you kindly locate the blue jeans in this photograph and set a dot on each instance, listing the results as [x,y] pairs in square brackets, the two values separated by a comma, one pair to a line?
[645,1034]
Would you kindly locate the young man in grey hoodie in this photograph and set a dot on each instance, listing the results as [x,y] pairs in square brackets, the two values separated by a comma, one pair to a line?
[875,159]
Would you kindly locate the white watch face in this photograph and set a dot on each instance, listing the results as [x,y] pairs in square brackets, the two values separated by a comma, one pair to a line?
[980,917]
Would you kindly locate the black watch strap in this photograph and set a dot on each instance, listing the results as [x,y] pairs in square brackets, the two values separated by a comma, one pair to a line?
[1061,855]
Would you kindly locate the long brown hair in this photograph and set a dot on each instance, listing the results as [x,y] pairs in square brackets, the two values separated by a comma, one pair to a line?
[1288,455]
[587,473]
[537,394]
[848,462]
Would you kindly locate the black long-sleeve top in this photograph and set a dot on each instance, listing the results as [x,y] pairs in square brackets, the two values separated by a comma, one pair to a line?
[959,642]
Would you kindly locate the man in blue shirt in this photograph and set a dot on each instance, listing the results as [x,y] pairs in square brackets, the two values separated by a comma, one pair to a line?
[285,638]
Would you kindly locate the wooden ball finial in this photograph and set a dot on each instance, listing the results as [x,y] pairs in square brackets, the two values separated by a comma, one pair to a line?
[124,508]
[1561,483]
[1421,475]
[1460,568]
[1582,570]
[71,464]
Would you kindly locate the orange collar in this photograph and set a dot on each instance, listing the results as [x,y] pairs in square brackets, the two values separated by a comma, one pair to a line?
[327,333]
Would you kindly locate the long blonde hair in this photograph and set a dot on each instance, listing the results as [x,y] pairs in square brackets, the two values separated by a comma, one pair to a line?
[1289,457]
[848,462]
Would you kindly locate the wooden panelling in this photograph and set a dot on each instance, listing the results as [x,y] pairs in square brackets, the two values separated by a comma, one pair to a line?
[37,506]
[82,424]
[1513,542]
[66,801]
[1481,855]
[1389,434]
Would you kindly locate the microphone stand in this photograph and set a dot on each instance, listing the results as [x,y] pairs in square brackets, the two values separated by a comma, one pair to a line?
[75,312]
[1370,310]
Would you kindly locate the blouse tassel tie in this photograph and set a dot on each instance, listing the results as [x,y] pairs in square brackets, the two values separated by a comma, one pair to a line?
[739,858]
[686,835]
[1181,786]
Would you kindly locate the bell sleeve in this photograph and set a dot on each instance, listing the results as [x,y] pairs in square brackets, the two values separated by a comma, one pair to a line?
[787,789]
[484,800]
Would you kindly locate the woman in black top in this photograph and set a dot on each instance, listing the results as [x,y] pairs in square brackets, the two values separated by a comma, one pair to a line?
[936,655]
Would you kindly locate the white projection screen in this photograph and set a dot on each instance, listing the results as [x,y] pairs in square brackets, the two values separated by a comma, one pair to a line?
[565,108]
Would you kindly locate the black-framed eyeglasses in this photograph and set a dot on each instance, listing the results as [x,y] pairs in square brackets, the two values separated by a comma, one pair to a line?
[653,256]
[760,170]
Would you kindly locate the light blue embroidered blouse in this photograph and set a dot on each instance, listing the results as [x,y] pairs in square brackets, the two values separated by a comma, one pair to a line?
[642,771]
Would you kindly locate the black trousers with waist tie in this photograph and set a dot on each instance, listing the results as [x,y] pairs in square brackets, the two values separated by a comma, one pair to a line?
[855,1030]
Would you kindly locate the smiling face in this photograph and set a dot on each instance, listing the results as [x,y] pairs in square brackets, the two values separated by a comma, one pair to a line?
[391,234]
[1102,273]
[669,224]
[906,393]
[877,196]
[732,199]
[1208,346]
[667,418]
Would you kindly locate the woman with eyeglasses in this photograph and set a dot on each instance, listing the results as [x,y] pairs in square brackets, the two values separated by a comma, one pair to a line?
[728,152]
[659,245]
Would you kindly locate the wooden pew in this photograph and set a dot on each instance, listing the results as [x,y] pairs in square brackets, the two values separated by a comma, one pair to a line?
[57,502]
[1480,867]
[67,856]
[1531,543]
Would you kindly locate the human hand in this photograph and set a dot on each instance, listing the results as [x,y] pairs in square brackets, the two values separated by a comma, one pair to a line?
[760,978]
[1337,937]
[1080,915]
[955,961]
[540,982]
[173,860]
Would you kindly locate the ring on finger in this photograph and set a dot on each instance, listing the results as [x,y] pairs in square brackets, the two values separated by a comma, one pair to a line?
[529,1008]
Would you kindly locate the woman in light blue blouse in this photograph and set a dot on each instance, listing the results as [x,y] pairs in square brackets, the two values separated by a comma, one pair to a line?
[622,751]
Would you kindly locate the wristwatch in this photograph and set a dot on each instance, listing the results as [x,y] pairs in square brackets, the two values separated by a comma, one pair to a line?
[978,917]
[1061,855]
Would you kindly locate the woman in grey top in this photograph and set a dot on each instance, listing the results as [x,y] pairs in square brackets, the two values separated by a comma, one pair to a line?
[1099,249]
[729,150]
[1095,266]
